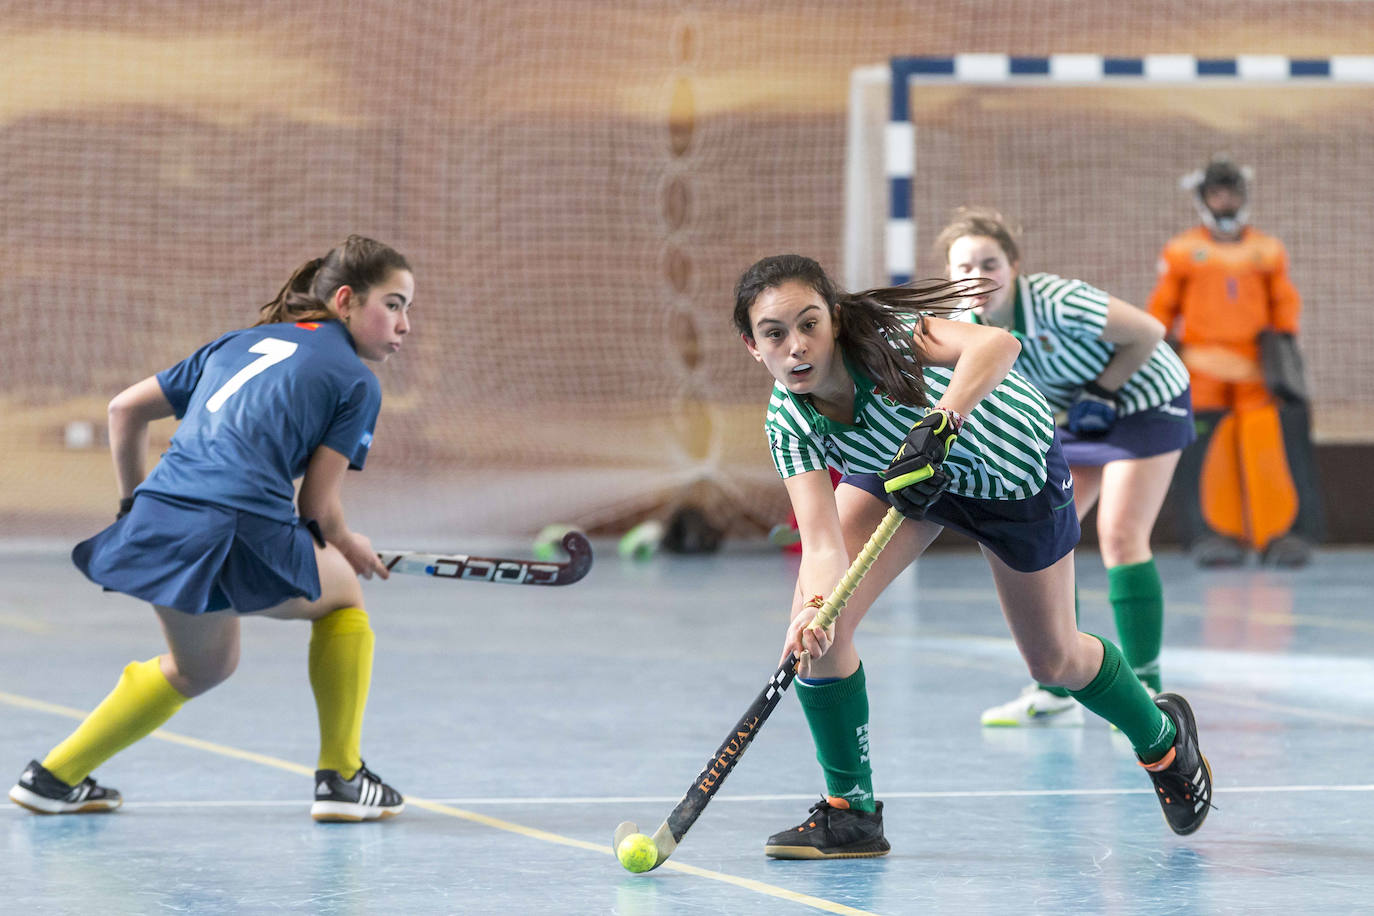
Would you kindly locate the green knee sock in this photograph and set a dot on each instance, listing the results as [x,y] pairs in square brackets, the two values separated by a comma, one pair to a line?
[837,713]
[1117,695]
[1063,691]
[1137,598]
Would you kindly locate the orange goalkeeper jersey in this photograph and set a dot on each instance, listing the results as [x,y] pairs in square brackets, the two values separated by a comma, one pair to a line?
[1225,293]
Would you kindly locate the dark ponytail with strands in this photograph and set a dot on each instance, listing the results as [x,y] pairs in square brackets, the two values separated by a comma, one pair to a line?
[873,325]
[360,263]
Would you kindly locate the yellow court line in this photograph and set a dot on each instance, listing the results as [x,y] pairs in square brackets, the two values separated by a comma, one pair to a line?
[496,823]
[24,624]
[746,883]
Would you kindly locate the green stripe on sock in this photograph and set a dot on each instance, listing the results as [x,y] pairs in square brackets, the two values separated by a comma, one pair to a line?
[837,714]
[1117,695]
[1137,598]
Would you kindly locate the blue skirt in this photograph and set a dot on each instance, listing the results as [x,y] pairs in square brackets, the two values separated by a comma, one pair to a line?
[1026,534]
[198,557]
[1166,428]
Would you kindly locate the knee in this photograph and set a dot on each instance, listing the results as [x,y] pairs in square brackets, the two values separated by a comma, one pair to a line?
[1121,544]
[339,585]
[199,675]
[1051,665]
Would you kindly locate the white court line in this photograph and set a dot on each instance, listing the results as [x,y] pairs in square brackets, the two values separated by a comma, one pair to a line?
[438,807]
[668,800]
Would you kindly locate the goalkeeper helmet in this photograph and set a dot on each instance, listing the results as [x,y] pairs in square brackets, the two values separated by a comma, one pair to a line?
[1221,172]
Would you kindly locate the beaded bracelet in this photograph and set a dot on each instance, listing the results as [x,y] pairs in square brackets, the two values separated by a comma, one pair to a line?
[956,419]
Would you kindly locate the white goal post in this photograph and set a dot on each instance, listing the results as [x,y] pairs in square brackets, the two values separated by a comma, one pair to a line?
[1085,152]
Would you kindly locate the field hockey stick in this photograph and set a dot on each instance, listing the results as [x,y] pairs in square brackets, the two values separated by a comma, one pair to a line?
[495,569]
[671,831]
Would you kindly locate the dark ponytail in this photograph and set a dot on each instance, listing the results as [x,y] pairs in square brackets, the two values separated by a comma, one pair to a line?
[360,263]
[873,325]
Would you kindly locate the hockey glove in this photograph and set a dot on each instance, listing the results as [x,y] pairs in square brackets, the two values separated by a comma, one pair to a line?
[915,479]
[1093,412]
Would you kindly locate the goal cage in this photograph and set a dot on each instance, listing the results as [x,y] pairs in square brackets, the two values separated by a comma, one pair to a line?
[1084,153]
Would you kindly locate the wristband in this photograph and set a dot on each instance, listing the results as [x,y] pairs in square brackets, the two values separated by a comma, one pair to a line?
[956,419]
[1096,390]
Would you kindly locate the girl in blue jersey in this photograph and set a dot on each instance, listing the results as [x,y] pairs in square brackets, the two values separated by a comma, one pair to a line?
[212,533]
[1127,414]
[925,413]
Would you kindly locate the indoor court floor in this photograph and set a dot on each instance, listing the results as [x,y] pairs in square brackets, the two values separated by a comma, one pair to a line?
[524,723]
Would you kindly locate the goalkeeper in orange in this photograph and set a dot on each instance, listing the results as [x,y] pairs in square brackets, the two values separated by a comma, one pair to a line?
[1246,482]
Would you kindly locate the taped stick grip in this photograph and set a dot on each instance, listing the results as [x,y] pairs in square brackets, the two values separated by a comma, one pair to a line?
[844,589]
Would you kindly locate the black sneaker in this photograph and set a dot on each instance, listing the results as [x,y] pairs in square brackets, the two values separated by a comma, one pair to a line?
[1287,552]
[363,798]
[833,831]
[43,793]
[1182,778]
[1216,552]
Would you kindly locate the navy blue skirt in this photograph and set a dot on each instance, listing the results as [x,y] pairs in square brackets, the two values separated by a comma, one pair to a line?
[1166,428]
[198,557]
[1026,534]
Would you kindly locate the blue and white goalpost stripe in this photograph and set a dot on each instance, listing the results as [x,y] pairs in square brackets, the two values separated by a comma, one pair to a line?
[1068,69]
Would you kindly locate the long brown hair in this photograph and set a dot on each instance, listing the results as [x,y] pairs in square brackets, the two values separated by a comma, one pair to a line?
[873,324]
[360,263]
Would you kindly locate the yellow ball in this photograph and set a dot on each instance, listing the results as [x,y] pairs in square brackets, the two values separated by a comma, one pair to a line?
[637,852]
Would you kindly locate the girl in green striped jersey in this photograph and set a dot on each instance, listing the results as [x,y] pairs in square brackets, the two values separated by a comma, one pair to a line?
[856,377]
[1127,414]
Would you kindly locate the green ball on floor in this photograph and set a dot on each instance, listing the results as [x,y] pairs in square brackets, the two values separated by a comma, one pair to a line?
[641,542]
[548,543]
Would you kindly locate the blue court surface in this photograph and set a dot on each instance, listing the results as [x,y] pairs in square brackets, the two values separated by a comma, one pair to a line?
[524,723]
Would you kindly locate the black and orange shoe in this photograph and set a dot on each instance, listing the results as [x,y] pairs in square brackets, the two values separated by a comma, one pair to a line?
[1182,778]
[43,793]
[833,831]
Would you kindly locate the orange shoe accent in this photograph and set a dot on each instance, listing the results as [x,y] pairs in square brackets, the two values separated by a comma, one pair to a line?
[836,802]
[1161,764]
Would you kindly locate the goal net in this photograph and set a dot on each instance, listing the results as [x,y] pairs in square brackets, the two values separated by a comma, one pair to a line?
[1085,153]
[579,185]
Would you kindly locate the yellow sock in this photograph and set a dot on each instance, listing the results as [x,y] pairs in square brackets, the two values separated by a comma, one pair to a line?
[139,703]
[340,674]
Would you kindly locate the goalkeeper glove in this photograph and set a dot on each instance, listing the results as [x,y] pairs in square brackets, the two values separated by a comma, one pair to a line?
[1093,412]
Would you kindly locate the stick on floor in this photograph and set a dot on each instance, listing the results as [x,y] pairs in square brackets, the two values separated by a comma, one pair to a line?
[495,569]
[708,782]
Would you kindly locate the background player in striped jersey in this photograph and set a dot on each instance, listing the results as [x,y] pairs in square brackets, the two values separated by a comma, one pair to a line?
[1128,416]
[212,532]
[856,379]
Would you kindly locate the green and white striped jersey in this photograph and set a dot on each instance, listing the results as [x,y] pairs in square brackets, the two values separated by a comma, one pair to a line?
[1059,323]
[1000,453]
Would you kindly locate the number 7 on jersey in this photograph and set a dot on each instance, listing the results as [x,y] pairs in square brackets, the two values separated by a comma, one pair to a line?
[273,350]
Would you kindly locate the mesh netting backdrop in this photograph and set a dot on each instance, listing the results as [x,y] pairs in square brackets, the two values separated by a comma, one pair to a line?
[578,184]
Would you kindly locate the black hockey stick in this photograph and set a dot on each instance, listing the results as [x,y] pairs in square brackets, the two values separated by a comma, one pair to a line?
[495,569]
[705,786]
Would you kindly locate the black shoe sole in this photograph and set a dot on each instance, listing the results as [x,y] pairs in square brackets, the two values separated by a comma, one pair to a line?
[869,850]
